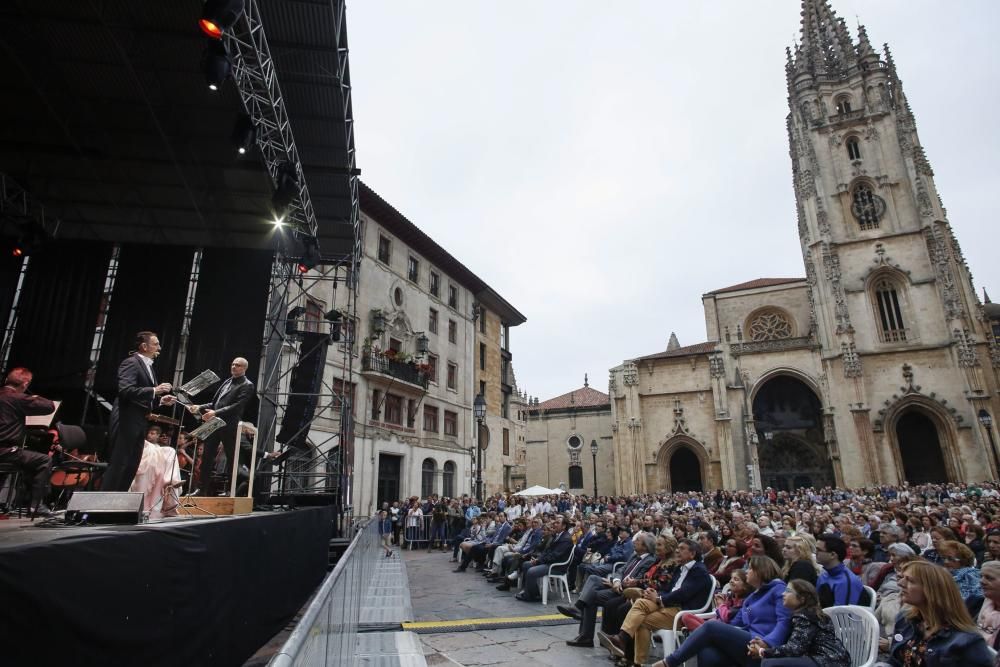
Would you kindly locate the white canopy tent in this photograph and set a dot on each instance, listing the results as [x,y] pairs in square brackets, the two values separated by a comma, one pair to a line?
[539,491]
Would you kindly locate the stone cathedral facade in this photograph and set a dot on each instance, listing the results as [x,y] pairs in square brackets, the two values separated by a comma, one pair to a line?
[878,366]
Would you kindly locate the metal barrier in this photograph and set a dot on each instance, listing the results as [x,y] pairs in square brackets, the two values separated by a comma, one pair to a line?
[422,534]
[327,633]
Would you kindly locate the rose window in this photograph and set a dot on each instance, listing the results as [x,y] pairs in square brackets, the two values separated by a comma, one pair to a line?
[770,326]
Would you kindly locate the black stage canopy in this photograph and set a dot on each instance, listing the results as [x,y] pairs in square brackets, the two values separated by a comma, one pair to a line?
[107,121]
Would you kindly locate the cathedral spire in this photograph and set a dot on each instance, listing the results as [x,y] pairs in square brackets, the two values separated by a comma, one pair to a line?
[826,46]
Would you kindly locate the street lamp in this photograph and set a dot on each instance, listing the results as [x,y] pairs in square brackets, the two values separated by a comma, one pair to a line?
[593,452]
[479,412]
[987,421]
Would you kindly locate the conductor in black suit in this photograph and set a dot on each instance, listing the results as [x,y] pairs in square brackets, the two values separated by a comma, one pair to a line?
[138,393]
[228,403]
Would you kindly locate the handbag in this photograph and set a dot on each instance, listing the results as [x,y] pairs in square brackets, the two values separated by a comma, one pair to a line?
[592,558]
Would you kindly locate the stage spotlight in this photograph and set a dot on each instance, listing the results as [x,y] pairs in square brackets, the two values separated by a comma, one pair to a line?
[28,240]
[244,133]
[286,189]
[310,253]
[216,65]
[291,320]
[334,317]
[218,16]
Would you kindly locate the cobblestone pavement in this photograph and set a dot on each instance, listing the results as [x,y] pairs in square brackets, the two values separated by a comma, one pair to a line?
[438,594]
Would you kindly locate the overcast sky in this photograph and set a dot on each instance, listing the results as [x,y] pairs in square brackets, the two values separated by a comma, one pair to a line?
[602,165]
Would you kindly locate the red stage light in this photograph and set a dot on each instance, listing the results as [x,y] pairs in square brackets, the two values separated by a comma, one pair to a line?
[210,28]
[303,268]
[18,252]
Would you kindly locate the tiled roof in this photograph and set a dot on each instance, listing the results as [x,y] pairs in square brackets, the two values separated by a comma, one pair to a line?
[759,282]
[687,350]
[584,397]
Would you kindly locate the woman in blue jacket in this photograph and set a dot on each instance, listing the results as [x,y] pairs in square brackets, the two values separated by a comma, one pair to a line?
[937,630]
[762,617]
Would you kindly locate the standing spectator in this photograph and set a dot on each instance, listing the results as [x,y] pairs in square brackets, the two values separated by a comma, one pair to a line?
[385,532]
[397,521]
[414,522]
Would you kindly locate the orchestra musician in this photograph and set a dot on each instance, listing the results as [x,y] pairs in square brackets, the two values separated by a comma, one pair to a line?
[138,393]
[228,403]
[15,405]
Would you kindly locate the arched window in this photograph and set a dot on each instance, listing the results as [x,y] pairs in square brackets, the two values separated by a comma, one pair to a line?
[892,329]
[867,207]
[427,478]
[575,477]
[843,104]
[853,148]
[448,478]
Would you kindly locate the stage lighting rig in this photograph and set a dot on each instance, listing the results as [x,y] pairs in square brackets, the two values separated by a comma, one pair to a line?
[310,253]
[334,317]
[218,16]
[244,133]
[216,65]
[286,189]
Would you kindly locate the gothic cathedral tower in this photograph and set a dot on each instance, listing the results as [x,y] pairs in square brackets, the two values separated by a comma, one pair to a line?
[908,361]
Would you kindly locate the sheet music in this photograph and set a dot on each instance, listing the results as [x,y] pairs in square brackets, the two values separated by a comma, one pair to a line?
[198,383]
[43,420]
[208,428]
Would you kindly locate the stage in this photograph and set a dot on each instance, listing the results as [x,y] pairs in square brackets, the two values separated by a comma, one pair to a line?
[185,591]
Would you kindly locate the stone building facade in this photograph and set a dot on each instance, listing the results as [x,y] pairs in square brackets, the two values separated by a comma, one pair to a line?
[559,434]
[415,357]
[873,368]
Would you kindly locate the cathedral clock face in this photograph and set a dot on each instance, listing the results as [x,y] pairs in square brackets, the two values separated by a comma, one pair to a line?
[867,206]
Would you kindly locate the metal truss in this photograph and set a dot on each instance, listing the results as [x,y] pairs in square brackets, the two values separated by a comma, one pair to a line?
[257,82]
[110,277]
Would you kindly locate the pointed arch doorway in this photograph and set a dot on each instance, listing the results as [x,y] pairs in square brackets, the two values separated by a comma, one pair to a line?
[685,471]
[920,448]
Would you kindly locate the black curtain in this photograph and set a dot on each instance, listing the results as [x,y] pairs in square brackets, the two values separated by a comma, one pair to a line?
[229,313]
[150,290]
[58,313]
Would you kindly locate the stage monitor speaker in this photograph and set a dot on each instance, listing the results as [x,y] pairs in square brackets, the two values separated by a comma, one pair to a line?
[105,507]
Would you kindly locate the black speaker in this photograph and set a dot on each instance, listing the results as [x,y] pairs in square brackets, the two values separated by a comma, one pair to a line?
[304,387]
[105,507]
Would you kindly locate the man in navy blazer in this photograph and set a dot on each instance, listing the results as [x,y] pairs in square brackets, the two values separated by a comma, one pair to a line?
[558,551]
[138,393]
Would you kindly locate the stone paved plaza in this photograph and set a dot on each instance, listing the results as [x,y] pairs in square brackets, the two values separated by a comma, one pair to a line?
[438,594]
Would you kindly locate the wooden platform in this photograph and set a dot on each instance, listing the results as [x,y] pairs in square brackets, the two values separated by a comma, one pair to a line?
[217,506]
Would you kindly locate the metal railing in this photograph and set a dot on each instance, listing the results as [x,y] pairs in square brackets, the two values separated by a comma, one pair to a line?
[379,362]
[327,633]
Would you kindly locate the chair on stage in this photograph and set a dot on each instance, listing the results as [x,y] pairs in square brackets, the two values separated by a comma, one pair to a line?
[11,475]
[79,471]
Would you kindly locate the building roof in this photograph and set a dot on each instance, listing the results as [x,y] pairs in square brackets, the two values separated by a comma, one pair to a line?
[687,350]
[756,283]
[396,223]
[584,397]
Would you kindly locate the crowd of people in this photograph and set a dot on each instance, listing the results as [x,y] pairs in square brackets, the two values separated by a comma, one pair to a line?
[925,558]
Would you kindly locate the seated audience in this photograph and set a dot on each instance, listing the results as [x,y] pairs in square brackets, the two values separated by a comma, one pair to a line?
[936,630]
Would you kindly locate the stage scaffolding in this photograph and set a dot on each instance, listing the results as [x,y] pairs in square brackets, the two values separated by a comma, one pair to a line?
[326,467]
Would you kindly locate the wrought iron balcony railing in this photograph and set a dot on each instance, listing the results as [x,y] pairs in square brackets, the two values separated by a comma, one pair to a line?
[388,364]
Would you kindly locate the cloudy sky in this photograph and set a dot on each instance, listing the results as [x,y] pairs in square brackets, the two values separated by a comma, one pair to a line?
[602,165]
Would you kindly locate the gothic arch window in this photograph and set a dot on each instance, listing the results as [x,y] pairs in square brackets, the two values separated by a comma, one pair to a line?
[769,324]
[866,206]
[575,477]
[448,479]
[427,473]
[888,302]
[843,103]
[853,148]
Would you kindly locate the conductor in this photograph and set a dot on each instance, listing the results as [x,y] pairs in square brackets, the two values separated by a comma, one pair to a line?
[138,393]
[228,403]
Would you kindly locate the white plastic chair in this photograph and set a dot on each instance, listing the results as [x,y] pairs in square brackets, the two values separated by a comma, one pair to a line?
[561,578]
[872,597]
[857,628]
[669,637]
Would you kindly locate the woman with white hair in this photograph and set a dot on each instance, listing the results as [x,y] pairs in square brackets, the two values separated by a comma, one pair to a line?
[988,618]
